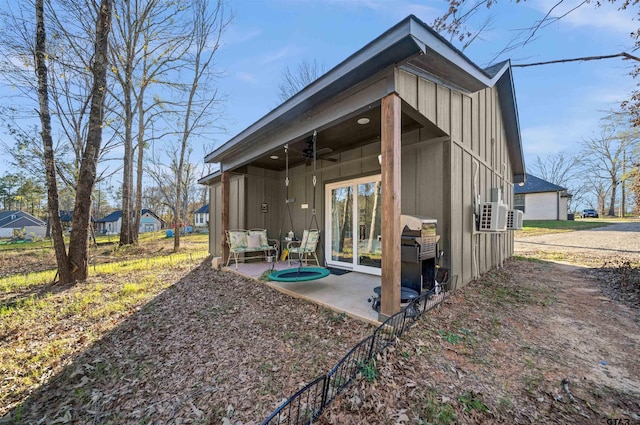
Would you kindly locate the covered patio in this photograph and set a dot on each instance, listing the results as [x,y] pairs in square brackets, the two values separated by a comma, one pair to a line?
[346,293]
[406,126]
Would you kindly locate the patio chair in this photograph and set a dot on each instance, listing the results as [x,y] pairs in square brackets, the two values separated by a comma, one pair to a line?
[305,247]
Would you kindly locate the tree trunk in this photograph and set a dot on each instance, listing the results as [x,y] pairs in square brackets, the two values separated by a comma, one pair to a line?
[127,172]
[87,176]
[343,225]
[140,166]
[373,217]
[612,202]
[64,271]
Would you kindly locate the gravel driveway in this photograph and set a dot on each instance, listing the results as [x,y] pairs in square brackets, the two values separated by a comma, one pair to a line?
[604,243]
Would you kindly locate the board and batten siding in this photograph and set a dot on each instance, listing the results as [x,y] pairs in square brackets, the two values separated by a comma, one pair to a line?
[475,160]
[237,208]
[441,177]
[422,191]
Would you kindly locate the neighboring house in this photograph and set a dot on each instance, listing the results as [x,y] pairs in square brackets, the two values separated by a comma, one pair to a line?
[408,115]
[21,221]
[541,200]
[112,223]
[66,218]
[201,216]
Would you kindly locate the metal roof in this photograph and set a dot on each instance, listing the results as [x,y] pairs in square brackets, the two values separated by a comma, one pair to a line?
[536,185]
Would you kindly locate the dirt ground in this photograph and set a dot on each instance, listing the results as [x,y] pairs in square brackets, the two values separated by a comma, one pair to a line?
[500,349]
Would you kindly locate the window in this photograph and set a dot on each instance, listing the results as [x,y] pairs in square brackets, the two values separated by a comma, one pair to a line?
[518,202]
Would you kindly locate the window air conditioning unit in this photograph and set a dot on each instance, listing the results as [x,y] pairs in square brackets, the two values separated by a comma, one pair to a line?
[514,219]
[493,217]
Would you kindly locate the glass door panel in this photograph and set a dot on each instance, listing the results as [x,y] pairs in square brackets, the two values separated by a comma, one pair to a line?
[353,223]
[369,224]
[341,228]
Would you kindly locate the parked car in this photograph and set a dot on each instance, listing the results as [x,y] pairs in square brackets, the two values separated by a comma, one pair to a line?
[589,213]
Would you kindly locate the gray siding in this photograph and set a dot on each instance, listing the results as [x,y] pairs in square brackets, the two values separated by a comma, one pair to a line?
[440,178]
[475,161]
[237,209]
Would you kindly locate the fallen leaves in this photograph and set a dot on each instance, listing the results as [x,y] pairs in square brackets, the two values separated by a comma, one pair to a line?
[496,353]
[211,348]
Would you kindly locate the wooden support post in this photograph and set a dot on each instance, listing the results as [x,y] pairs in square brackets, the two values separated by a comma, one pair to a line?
[390,136]
[225,215]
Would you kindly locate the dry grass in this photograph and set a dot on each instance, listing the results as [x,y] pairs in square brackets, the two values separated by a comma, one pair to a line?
[39,256]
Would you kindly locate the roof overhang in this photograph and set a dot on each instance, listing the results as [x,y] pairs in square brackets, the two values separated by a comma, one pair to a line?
[507,97]
[210,178]
[368,76]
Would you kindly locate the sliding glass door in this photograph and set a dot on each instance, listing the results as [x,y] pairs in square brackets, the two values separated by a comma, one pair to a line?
[353,223]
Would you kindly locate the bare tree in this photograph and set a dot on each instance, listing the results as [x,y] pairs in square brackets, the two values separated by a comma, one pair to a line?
[69,64]
[463,22]
[64,271]
[149,40]
[91,154]
[164,192]
[564,170]
[294,81]
[604,155]
[208,24]
[73,266]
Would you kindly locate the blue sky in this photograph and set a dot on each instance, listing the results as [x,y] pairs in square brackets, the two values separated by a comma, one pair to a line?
[559,105]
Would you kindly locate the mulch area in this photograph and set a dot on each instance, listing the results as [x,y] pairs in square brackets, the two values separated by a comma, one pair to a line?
[212,348]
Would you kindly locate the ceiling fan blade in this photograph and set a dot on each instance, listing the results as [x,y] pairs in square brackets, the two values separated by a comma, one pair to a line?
[323,151]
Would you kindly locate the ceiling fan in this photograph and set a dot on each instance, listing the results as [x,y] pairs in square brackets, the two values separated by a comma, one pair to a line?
[307,152]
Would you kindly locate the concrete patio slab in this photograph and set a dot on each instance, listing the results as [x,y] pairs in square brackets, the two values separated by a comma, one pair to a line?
[347,293]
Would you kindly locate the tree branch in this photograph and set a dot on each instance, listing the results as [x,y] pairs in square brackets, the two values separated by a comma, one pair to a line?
[623,55]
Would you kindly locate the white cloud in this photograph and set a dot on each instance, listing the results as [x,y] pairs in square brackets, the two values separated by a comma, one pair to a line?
[606,16]
[280,54]
[236,35]
[246,77]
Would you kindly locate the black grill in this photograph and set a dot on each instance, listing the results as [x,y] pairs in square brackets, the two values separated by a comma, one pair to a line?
[418,252]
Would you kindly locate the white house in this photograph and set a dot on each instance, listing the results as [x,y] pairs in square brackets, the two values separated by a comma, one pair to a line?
[21,221]
[539,199]
[201,217]
[112,223]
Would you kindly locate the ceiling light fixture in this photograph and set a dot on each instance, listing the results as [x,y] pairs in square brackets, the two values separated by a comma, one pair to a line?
[363,121]
[274,157]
